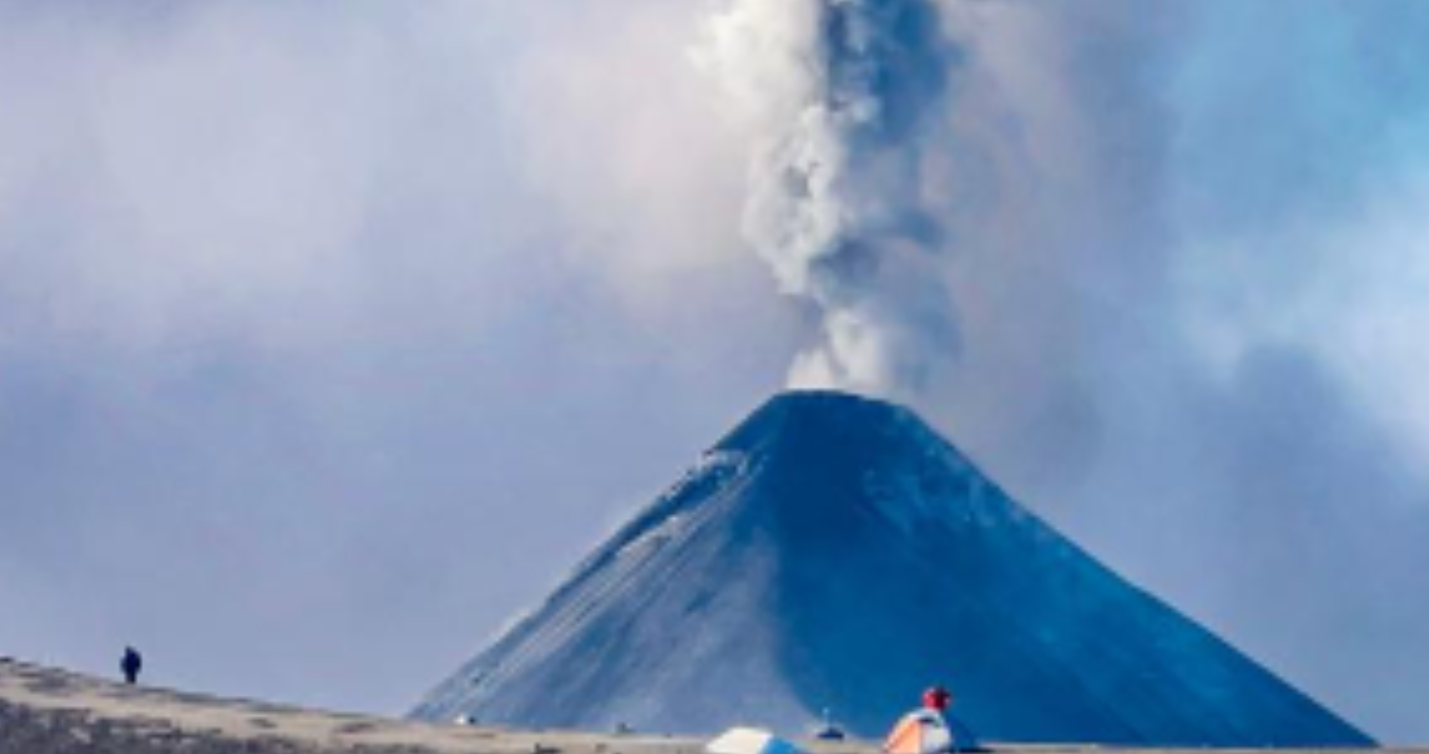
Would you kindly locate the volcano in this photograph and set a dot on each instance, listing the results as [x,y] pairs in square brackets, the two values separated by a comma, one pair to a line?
[835,553]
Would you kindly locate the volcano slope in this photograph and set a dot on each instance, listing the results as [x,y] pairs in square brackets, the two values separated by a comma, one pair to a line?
[833,552]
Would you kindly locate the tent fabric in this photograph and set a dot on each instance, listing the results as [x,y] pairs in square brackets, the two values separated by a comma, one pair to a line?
[921,732]
[750,741]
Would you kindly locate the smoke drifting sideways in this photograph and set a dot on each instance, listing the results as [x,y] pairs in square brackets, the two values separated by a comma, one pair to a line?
[841,97]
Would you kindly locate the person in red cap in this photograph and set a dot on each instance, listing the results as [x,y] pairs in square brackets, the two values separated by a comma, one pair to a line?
[924,730]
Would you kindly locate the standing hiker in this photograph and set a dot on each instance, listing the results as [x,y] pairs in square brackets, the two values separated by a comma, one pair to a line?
[131,665]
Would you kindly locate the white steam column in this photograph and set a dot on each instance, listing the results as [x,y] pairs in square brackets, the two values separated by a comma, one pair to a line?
[840,98]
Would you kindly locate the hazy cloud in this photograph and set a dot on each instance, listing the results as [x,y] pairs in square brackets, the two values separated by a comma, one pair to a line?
[316,318]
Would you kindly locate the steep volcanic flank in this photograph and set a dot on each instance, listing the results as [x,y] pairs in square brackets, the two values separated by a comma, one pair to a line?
[834,552]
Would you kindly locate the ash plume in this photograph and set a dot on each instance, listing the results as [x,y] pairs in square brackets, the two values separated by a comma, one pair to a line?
[841,97]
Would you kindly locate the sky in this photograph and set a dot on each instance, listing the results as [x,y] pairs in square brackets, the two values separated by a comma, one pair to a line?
[332,334]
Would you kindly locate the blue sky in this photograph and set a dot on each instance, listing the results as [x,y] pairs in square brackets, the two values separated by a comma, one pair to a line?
[331,334]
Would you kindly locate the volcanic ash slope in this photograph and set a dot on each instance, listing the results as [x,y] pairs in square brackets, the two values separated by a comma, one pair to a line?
[834,552]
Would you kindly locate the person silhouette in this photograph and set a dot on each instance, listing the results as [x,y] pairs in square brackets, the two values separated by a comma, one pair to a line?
[132,663]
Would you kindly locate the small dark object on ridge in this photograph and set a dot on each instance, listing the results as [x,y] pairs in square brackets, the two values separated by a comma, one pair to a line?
[132,663]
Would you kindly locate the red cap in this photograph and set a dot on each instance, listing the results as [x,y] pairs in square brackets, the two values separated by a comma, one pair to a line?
[937,698]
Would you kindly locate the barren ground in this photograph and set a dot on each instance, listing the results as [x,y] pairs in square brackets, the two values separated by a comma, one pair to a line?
[48,711]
